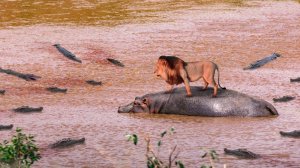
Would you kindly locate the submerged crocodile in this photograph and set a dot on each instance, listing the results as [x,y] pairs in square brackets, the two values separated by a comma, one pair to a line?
[241,153]
[27,77]
[56,90]
[6,127]
[283,99]
[66,142]
[26,109]
[115,62]
[262,62]
[295,134]
[67,53]
[295,80]
[94,83]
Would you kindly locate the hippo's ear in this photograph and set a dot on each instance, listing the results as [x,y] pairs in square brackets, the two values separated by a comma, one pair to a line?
[145,101]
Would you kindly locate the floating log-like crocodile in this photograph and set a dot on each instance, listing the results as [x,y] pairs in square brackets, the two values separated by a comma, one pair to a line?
[115,62]
[295,80]
[283,99]
[66,142]
[26,109]
[67,53]
[94,83]
[295,134]
[241,153]
[27,77]
[56,90]
[262,62]
[6,127]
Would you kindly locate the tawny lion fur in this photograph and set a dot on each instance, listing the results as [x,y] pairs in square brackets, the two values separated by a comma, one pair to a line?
[175,71]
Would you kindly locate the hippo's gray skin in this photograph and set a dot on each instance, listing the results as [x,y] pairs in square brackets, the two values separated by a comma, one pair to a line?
[242,153]
[67,53]
[227,103]
[66,142]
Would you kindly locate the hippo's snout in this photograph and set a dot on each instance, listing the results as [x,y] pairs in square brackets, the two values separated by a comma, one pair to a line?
[125,109]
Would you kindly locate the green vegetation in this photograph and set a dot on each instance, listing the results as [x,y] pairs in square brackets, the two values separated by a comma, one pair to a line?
[155,161]
[20,152]
[91,12]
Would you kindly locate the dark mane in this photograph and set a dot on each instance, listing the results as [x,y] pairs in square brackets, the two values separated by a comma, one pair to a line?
[173,67]
[172,61]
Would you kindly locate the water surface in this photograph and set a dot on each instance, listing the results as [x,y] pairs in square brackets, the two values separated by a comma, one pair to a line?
[230,35]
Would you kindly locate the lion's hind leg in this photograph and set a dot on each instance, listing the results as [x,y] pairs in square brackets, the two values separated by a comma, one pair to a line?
[205,84]
[211,80]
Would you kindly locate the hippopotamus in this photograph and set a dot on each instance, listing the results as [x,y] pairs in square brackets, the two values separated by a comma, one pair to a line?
[228,103]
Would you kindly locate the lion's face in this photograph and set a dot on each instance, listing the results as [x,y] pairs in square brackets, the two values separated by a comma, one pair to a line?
[160,70]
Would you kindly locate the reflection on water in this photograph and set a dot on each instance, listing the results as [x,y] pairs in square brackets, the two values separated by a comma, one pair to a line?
[89,12]
[231,36]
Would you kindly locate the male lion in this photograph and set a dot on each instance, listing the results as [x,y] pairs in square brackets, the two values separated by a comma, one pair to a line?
[175,71]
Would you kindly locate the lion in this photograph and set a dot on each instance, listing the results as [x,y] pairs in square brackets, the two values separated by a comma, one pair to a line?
[175,71]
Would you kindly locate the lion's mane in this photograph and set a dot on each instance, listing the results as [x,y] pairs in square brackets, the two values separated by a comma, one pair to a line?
[172,66]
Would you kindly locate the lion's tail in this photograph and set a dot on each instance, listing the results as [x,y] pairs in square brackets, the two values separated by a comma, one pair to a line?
[217,68]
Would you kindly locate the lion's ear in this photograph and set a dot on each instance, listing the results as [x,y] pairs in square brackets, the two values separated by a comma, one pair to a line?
[163,62]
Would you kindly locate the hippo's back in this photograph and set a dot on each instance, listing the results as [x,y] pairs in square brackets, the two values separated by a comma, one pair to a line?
[227,103]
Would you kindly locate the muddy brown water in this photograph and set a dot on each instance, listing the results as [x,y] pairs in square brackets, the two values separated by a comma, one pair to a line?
[232,36]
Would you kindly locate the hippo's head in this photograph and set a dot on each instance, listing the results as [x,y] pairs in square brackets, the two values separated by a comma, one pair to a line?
[140,104]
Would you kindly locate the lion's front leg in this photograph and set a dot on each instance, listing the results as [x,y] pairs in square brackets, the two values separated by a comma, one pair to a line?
[183,74]
[169,89]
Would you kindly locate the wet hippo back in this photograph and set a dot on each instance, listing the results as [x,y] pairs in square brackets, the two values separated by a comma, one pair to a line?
[228,103]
